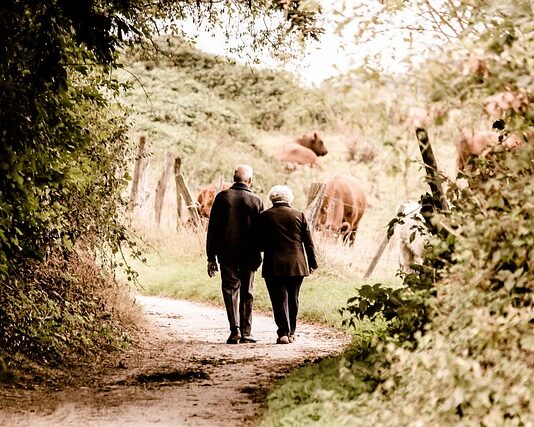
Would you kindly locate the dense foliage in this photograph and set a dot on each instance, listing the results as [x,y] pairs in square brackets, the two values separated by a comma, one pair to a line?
[62,164]
[268,100]
[456,345]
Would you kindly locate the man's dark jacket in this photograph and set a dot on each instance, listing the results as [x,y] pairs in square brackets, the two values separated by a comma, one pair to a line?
[233,217]
[285,239]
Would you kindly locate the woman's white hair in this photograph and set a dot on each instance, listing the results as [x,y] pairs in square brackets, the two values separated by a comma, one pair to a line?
[281,193]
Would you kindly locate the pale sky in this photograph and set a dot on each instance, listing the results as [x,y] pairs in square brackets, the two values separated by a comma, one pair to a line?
[336,52]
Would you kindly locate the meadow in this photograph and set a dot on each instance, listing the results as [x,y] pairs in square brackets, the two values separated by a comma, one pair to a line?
[214,133]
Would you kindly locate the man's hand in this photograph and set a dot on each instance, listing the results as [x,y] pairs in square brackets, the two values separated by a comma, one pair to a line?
[212,268]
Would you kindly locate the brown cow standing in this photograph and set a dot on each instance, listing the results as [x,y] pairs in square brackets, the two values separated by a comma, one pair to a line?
[206,196]
[471,144]
[303,151]
[343,206]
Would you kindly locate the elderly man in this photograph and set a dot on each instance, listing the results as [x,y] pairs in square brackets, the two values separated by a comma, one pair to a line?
[233,218]
[289,255]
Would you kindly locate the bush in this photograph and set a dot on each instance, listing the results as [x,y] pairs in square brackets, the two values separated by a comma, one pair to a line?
[63,155]
[60,312]
[475,361]
[268,100]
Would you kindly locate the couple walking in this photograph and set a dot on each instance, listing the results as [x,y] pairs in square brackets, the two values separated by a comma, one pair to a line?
[239,229]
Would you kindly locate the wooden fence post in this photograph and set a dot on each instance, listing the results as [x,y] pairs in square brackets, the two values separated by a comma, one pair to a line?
[431,167]
[141,163]
[179,197]
[315,200]
[377,256]
[181,187]
[162,185]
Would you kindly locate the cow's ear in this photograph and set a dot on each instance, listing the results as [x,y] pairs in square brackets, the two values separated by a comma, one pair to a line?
[315,136]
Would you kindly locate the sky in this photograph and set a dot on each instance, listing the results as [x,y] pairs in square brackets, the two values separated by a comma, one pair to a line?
[336,53]
[319,61]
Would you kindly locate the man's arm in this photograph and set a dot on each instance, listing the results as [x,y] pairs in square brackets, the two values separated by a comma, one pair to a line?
[214,229]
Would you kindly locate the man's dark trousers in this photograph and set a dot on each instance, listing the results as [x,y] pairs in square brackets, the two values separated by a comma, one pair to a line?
[237,290]
[284,294]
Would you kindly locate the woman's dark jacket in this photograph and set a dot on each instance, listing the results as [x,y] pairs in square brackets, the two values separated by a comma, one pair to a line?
[285,239]
[233,218]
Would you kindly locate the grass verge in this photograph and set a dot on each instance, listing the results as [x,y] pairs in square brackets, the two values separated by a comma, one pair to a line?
[177,269]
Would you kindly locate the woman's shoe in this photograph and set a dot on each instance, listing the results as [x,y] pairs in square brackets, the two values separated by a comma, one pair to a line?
[284,339]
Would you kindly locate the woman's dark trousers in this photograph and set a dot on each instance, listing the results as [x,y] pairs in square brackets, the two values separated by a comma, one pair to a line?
[284,294]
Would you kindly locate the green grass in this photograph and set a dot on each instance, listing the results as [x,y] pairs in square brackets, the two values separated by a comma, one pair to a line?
[178,270]
[322,393]
[176,267]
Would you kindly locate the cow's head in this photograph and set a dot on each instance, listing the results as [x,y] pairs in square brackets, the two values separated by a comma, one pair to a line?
[314,142]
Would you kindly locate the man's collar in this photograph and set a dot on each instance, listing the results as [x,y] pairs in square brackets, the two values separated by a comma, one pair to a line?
[240,186]
[280,203]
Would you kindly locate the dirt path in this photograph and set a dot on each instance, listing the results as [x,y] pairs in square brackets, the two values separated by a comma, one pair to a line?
[182,375]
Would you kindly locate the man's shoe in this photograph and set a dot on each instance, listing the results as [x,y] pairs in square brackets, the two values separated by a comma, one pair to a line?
[233,338]
[282,340]
[247,339]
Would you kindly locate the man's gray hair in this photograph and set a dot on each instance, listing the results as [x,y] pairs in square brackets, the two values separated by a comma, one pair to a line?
[281,193]
[243,173]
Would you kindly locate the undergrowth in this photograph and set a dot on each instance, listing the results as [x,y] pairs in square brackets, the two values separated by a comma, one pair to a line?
[60,314]
[467,358]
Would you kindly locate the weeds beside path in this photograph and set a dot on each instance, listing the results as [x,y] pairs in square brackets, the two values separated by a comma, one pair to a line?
[181,374]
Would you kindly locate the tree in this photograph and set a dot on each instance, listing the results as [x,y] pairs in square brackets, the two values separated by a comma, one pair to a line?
[458,52]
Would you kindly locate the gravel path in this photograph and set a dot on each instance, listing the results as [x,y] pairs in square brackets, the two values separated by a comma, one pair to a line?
[183,374]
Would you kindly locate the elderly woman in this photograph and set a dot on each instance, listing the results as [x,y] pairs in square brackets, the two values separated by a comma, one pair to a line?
[289,256]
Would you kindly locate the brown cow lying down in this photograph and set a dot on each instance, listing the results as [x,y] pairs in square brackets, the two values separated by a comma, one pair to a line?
[343,206]
[313,141]
[472,144]
[303,151]
[206,196]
